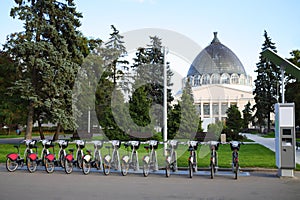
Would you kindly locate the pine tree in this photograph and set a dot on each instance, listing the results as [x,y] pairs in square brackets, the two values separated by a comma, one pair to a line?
[148,73]
[267,84]
[234,122]
[49,52]
[247,115]
[113,53]
[189,122]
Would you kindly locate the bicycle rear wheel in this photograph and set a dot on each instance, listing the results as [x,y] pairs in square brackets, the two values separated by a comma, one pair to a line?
[68,166]
[86,167]
[31,165]
[11,165]
[124,168]
[49,166]
[190,169]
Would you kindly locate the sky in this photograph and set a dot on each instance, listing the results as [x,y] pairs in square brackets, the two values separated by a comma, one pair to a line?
[240,24]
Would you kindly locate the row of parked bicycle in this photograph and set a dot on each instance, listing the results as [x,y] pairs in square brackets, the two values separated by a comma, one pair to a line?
[94,159]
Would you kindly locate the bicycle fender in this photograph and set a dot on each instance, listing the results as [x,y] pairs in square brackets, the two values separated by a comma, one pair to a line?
[50,157]
[107,158]
[125,159]
[146,159]
[87,158]
[69,157]
[12,156]
[32,156]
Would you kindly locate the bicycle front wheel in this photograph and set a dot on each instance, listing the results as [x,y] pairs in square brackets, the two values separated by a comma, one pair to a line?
[11,165]
[79,159]
[191,169]
[134,162]
[61,159]
[106,168]
[212,171]
[86,167]
[49,166]
[168,170]
[236,170]
[124,168]
[146,169]
[97,160]
[31,165]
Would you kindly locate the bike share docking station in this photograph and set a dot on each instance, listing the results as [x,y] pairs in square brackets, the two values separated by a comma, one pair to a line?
[285,139]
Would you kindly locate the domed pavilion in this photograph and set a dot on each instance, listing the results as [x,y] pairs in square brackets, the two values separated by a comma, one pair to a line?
[218,80]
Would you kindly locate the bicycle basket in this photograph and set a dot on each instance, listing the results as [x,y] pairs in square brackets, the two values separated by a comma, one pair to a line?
[235,145]
[80,144]
[174,144]
[153,143]
[116,143]
[135,144]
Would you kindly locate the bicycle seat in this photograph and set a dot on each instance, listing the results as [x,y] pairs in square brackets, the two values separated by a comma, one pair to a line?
[126,145]
[146,147]
[71,150]
[16,146]
[108,147]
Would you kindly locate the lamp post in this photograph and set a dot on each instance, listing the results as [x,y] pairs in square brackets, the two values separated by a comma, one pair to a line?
[165,109]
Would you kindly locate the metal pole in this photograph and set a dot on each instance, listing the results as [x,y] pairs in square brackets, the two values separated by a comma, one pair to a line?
[282,83]
[165,103]
[89,121]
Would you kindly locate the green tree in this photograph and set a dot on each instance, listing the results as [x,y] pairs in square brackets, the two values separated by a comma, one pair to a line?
[113,54]
[189,122]
[148,71]
[49,52]
[247,115]
[266,86]
[12,107]
[293,86]
[234,122]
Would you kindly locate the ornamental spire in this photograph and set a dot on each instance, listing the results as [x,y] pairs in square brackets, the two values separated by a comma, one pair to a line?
[215,40]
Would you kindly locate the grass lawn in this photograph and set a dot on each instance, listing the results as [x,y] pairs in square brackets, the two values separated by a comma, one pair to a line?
[250,155]
[269,135]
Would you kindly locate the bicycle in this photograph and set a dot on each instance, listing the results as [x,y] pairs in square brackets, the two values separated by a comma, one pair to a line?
[150,160]
[69,160]
[193,146]
[235,147]
[130,161]
[80,144]
[47,158]
[63,144]
[97,162]
[214,145]
[171,158]
[14,160]
[114,160]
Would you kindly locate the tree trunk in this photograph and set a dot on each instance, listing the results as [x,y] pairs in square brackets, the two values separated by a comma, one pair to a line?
[42,136]
[28,133]
[55,137]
